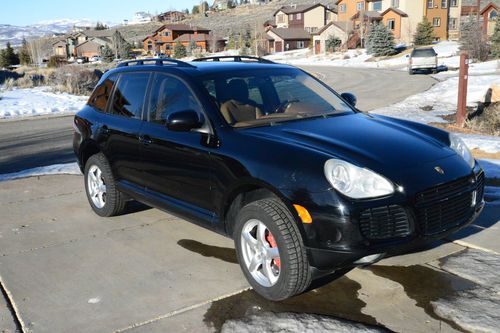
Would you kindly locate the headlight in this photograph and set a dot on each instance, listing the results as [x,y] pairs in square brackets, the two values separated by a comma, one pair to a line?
[356,182]
[458,145]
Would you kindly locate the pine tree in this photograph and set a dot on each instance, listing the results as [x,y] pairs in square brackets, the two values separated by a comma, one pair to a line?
[191,47]
[24,54]
[195,10]
[231,43]
[380,41]
[495,40]
[107,54]
[179,50]
[424,34]
[8,57]
[121,47]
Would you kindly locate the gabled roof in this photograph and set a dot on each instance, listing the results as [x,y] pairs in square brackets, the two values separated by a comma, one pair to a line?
[342,25]
[190,37]
[299,8]
[180,27]
[370,14]
[291,33]
[396,10]
[488,7]
[97,40]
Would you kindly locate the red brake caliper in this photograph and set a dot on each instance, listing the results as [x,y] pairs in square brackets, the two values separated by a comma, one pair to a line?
[270,239]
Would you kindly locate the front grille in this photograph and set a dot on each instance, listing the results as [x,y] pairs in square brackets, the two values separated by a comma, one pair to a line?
[480,187]
[445,206]
[384,222]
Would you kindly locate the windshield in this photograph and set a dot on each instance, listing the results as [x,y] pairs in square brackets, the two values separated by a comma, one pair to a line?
[261,97]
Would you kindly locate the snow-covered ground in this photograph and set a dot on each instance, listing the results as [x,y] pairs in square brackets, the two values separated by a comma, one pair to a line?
[38,101]
[476,309]
[447,56]
[55,169]
[441,99]
[270,322]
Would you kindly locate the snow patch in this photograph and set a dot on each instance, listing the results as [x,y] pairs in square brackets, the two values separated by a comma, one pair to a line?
[293,322]
[55,169]
[94,300]
[38,101]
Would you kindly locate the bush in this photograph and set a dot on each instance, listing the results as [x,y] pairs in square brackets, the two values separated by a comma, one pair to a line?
[487,122]
[495,40]
[473,41]
[179,50]
[332,43]
[380,41]
[56,61]
[74,80]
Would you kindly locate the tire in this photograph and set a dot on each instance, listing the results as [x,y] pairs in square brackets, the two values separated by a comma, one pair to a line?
[290,270]
[100,187]
[411,71]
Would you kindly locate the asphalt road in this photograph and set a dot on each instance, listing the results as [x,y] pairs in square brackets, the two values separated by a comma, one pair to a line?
[39,142]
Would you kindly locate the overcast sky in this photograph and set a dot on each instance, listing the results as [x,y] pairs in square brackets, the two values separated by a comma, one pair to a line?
[25,12]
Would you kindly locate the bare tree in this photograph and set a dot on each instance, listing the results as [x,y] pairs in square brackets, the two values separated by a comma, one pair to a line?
[35,51]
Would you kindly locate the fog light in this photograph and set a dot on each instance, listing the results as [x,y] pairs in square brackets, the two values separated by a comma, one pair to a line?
[369,259]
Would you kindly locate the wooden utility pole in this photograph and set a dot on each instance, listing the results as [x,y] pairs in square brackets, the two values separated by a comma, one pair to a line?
[463,78]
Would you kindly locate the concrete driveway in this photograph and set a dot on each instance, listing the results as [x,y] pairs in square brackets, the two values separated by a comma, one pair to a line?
[64,269]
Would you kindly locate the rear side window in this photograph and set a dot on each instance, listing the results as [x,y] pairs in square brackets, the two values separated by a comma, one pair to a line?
[423,53]
[101,94]
[168,95]
[128,98]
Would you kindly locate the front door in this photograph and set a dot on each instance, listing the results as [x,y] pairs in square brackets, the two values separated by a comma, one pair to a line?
[119,129]
[317,47]
[278,46]
[175,164]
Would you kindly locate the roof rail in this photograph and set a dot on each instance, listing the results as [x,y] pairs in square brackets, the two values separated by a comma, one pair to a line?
[154,61]
[236,59]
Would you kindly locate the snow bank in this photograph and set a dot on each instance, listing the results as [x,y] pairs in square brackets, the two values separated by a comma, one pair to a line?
[38,101]
[441,98]
[474,310]
[489,144]
[55,169]
[293,323]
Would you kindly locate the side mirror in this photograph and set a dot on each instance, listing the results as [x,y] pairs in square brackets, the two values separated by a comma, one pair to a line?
[349,98]
[407,55]
[183,121]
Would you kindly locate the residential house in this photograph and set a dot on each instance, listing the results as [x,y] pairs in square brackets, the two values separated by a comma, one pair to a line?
[348,8]
[436,12]
[60,49]
[286,39]
[310,17]
[92,47]
[171,16]
[489,16]
[220,4]
[164,39]
[341,30]
[454,19]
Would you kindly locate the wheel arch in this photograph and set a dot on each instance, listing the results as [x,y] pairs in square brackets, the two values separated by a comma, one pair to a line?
[87,148]
[248,191]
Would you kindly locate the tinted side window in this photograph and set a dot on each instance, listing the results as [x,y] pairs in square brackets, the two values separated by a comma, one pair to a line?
[128,98]
[101,94]
[168,95]
[424,53]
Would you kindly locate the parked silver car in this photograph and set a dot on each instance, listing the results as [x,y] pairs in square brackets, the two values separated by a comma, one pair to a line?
[423,59]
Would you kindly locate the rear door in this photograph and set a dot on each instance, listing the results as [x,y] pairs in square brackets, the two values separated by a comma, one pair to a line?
[175,164]
[121,126]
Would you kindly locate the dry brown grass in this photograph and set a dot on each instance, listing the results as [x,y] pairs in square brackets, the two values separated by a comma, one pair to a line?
[488,122]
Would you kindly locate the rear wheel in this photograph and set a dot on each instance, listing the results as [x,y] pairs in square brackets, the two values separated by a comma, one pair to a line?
[270,250]
[411,71]
[100,186]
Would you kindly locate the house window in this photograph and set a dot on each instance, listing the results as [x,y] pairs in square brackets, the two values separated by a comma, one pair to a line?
[377,6]
[391,24]
[301,45]
[298,16]
[493,15]
[436,21]
[360,6]
[290,17]
[342,8]
[453,3]
[395,3]
[452,24]
[444,3]
[430,4]
[280,18]
[150,46]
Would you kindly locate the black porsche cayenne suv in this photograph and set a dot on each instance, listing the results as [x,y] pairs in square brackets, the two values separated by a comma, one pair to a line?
[264,153]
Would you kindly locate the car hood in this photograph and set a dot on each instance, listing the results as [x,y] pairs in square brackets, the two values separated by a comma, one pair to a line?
[374,142]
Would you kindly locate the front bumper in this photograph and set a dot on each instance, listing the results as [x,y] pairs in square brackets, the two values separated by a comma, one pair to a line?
[342,232]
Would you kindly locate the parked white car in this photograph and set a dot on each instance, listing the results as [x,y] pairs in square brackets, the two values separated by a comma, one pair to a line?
[95,59]
[422,59]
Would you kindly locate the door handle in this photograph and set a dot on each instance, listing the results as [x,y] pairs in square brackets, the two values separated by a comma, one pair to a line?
[105,130]
[145,140]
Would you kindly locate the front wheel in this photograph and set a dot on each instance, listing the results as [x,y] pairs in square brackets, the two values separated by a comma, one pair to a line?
[270,250]
[100,186]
